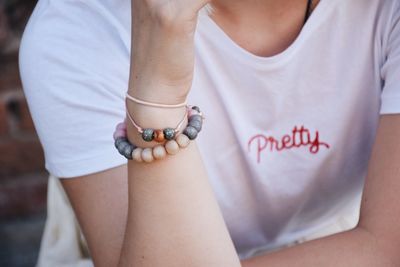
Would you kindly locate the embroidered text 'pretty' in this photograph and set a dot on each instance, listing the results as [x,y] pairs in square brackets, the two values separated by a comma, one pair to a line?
[299,137]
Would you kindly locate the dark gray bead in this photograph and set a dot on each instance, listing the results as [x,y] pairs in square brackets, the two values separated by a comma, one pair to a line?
[119,141]
[190,132]
[121,144]
[196,108]
[169,133]
[196,124]
[148,135]
[127,152]
[196,118]
[121,147]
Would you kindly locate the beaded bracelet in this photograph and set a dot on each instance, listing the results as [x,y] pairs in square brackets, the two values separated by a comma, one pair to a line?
[159,136]
[171,147]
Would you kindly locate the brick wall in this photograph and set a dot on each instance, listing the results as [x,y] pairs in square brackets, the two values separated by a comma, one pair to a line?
[23,179]
[21,155]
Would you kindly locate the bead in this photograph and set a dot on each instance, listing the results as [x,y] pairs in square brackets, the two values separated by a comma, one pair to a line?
[196,118]
[182,140]
[159,152]
[172,147]
[147,155]
[148,135]
[192,112]
[196,124]
[190,132]
[196,108]
[169,133]
[121,146]
[119,133]
[159,136]
[137,154]
[127,152]
[121,126]
[119,140]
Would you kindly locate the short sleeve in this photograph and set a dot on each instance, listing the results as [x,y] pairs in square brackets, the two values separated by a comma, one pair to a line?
[74,68]
[390,71]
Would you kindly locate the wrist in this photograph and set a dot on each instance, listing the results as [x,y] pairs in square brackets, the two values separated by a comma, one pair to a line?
[161,92]
[134,141]
[161,96]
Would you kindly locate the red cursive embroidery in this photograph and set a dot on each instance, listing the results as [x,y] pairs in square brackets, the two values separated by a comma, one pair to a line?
[300,137]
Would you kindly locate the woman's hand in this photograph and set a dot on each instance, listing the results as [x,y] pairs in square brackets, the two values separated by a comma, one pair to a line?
[162,59]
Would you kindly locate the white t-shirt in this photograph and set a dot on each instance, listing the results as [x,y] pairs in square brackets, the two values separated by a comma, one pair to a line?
[287,138]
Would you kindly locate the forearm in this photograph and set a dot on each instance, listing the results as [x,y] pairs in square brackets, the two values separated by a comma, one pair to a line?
[173,216]
[352,248]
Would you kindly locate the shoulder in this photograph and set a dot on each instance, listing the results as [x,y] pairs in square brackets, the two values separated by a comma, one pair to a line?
[74,67]
[370,9]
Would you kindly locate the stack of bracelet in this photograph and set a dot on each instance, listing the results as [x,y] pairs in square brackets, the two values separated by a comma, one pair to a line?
[171,138]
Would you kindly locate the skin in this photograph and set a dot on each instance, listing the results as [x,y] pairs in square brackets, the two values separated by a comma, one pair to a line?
[173,219]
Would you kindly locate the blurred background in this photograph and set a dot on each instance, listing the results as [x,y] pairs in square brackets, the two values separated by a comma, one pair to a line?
[23,179]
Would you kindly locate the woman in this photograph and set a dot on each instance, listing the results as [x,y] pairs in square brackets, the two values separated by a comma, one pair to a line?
[293,105]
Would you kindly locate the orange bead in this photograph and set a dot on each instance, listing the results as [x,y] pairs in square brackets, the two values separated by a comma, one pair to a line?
[159,136]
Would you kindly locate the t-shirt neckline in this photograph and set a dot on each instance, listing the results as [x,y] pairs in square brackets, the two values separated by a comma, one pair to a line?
[244,55]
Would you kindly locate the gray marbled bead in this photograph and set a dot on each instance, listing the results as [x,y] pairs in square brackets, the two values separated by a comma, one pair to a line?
[169,133]
[124,147]
[127,152]
[148,135]
[196,118]
[121,146]
[196,124]
[190,132]
[119,140]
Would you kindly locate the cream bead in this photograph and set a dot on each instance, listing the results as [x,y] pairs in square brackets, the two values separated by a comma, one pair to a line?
[172,147]
[159,152]
[182,140]
[137,154]
[147,155]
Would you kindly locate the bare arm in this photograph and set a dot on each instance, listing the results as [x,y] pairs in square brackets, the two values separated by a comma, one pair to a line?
[100,203]
[173,216]
[376,239]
